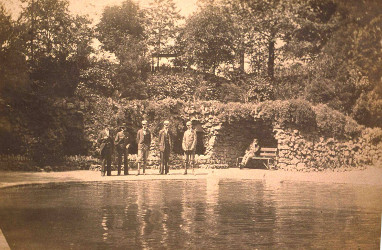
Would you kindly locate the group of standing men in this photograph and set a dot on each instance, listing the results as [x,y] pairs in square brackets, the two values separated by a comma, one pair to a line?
[121,143]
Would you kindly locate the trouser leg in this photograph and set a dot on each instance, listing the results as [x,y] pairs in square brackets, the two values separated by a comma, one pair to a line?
[145,156]
[139,167]
[162,162]
[192,156]
[119,159]
[108,161]
[103,160]
[165,166]
[186,162]
[166,159]
[125,163]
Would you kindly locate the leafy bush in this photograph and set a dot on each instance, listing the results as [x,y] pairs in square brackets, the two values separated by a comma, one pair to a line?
[47,149]
[257,89]
[373,135]
[293,113]
[184,86]
[230,92]
[368,108]
[80,162]
[320,91]
[333,123]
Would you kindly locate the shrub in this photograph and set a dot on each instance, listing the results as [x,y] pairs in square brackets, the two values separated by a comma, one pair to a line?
[333,123]
[373,135]
[184,86]
[80,162]
[230,92]
[257,89]
[330,122]
[320,90]
[47,149]
[234,112]
[293,113]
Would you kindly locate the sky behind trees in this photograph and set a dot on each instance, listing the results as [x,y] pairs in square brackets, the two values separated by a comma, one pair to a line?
[94,8]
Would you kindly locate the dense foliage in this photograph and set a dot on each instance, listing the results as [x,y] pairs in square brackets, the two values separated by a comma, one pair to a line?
[312,64]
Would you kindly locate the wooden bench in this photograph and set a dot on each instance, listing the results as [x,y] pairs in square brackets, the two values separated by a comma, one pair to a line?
[265,155]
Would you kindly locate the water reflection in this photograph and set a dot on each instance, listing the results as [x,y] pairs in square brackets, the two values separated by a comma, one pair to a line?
[201,214]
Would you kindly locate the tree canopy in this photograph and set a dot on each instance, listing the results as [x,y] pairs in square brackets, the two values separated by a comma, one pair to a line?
[324,51]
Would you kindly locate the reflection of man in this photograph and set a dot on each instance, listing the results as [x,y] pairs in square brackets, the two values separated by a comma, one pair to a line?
[165,145]
[143,141]
[189,146]
[106,147]
[122,145]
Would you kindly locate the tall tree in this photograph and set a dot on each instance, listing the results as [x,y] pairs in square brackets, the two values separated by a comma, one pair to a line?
[119,25]
[13,67]
[207,39]
[58,45]
[272,21]
[121,31]
[348,66]
[243,29]
[163,19]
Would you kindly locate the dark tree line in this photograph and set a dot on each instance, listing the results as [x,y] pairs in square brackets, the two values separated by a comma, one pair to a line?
[324,51]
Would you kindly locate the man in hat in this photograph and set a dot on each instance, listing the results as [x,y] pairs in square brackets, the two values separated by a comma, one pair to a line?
[122,145]
[189,146]
[143,141]
[165,146]
[106,148]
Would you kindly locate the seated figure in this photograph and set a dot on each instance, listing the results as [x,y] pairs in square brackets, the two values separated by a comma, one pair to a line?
[252,151]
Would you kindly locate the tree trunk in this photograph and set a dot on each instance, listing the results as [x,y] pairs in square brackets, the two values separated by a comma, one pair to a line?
[159,40]
[241,52]
[241,61]
[271,58]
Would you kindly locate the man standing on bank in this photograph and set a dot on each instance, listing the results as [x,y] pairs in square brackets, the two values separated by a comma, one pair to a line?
[143,141]
[106,148]
[189,146]
[165,146]
[122,145]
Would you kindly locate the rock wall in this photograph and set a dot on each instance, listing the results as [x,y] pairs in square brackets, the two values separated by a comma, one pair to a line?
[225,141]
[300,152]
[230,142]
[224,137]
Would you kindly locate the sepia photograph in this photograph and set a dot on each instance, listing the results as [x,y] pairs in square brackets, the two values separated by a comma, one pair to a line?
[190,124]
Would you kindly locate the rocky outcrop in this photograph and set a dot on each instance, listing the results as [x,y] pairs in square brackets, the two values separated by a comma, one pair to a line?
[312,152]
[225,132]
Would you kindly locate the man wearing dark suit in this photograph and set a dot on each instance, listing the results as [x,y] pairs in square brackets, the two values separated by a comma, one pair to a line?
[122,145]
[165,145]
[106,147]
[144,142]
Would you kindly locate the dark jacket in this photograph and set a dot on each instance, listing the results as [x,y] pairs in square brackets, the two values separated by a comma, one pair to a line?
[106,143]
[121,141]
[165,140]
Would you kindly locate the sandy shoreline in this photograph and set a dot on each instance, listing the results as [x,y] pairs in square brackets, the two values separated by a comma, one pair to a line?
[369,176]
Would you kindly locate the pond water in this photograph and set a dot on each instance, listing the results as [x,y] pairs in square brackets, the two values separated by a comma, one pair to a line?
[201,214]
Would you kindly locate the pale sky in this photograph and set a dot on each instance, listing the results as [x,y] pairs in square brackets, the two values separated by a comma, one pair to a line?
[94,8]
